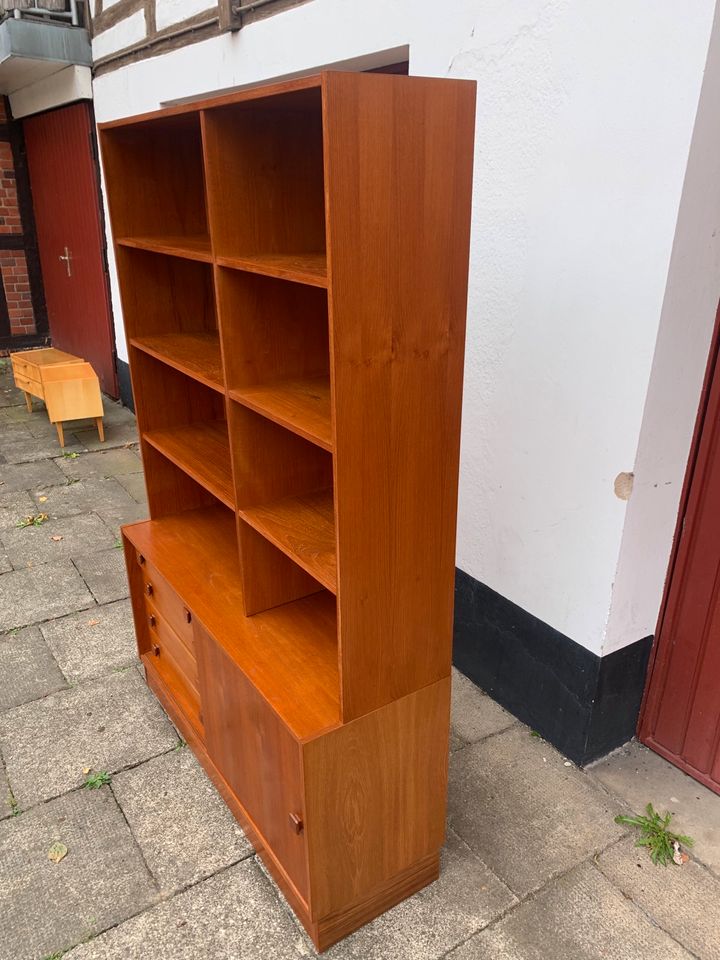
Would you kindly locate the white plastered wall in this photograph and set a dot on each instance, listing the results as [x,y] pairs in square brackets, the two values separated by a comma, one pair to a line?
[584,122]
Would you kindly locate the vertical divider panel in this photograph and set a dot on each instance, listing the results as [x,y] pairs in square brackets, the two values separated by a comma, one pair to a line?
[398,175]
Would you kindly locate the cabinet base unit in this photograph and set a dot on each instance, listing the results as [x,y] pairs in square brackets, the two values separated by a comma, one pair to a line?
[292,261]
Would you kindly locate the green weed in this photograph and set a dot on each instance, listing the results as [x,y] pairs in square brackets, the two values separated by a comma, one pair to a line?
[655,835]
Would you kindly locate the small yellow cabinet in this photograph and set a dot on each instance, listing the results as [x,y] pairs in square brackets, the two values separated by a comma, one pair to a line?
[68,385]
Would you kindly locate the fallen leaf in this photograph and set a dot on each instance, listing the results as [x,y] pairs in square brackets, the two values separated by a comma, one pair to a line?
[56,537]
[86,770]
[42,499]
[679,857]
[57,852]
[94,622]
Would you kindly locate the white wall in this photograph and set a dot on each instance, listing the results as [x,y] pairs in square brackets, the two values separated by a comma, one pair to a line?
[691,299]
[585,115]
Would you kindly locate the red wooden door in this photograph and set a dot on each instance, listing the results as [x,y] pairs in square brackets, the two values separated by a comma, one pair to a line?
[66,201]
[681,715]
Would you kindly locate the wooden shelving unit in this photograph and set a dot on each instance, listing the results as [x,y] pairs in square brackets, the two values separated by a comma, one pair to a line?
[293,266]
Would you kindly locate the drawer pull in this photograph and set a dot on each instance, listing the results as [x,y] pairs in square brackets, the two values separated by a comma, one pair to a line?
[151,620]
[187,614]
[149,589]
[156,649]
[296,823]
[140,559]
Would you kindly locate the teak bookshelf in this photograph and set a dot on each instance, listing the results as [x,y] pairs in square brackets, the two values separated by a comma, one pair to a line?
[293,266]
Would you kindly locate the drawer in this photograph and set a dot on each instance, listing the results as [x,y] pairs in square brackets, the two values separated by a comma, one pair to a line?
[22,366]
[30,386]
[171,645]
[167,603]
[168,658]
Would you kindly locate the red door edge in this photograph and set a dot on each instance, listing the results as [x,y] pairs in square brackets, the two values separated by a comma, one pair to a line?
[644,727]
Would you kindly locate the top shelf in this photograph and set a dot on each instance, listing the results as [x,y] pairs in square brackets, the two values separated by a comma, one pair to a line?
[190,248]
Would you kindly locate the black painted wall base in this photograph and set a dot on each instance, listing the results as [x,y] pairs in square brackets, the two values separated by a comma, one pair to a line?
[126,394]
[583,704]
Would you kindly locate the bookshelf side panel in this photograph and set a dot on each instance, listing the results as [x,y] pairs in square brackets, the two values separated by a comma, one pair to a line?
[398,172]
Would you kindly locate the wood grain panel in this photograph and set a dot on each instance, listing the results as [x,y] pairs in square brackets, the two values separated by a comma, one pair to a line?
[155,178]
[165,295]
[398,172]
[302,406]
[303,528]
[259,759]
[187,247]
[271,464]
[375,797]
[197,355]
[202,450]
[288,653]
[307,268]
[273,158]
[272,330]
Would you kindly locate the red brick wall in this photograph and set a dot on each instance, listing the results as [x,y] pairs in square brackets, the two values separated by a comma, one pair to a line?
[13,265]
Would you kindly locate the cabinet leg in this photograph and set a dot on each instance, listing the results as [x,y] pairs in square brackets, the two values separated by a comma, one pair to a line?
[28,401]
[100,428]
[61,436]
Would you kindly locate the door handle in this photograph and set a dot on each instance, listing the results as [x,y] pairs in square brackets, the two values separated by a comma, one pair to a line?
[67,257]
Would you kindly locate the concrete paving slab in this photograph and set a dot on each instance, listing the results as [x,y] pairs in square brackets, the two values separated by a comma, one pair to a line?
[684,901]
[183,827]
[16,413]
[10,396]
[116,435]
[115,412]
[106,724]
[105,574]
[110,463]
[474,715]
[465,899]
[30,476]
[134,483]
[94,642]
[131,513]
[235,914]
[115,524]
[39,426]
[85,496]
[38,448]
[46,907]
[638,776]
[6,807]
[11,430]
[28,669]
[40,593]
[15,505]
[580,916]
[525,813]
[78,535]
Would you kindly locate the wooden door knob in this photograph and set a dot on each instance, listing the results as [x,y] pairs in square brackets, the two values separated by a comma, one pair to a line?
[296,823]
[151,620]
[149,589]
[188,615]
[156,649]
[140,559]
